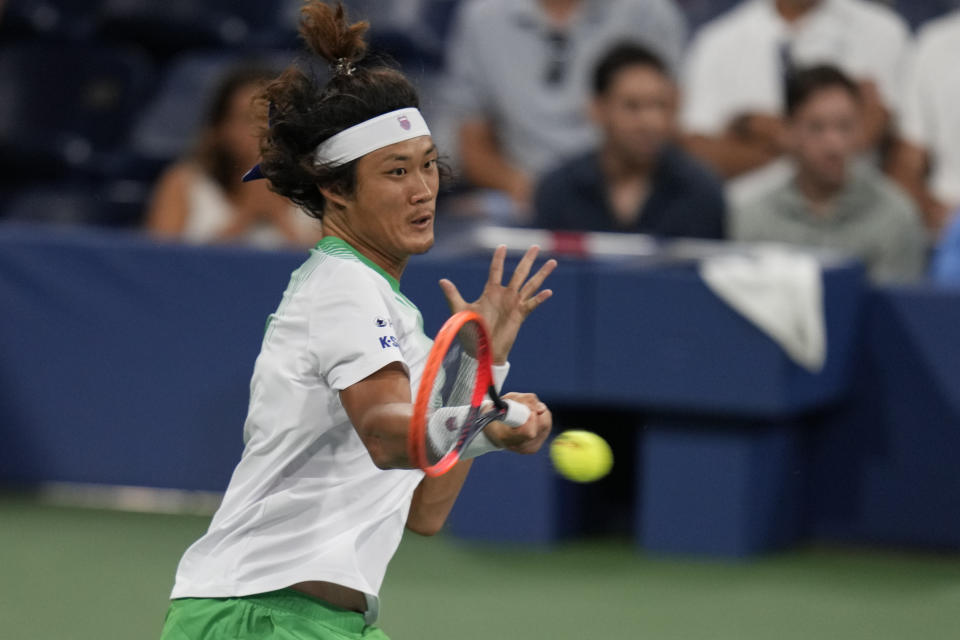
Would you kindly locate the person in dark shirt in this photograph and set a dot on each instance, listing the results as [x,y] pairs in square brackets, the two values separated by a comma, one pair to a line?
[638,180]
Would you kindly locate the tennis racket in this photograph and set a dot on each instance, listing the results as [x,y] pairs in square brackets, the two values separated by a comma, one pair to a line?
[456,397]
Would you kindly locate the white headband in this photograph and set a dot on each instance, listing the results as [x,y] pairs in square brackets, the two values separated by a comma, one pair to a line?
[370,135]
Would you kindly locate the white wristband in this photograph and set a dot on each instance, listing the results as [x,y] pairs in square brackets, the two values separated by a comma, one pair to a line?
[500,372]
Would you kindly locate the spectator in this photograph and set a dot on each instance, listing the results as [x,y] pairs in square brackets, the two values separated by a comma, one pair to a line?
[945,268]
[519,79]
[927,160]
[637,180]
[737,64]
[831,200]
[201,199]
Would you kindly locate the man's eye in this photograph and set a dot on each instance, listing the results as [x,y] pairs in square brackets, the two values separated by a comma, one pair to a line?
[399,171]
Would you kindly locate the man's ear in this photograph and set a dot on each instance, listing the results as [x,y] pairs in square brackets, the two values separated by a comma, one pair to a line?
[334,196]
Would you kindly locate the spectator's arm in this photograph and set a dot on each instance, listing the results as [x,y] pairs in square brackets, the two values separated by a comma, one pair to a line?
[875,117]
[909,166]
[484,164]
[167,214]
[729,154]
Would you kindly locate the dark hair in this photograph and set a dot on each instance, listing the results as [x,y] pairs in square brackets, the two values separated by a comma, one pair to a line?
[210,153]
[802,84]
[621,56]
[305,109]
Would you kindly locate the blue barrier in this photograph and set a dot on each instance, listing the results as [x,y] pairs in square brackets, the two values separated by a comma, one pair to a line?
[124,362]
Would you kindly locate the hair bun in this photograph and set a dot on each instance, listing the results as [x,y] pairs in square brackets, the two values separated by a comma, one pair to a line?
[330,35]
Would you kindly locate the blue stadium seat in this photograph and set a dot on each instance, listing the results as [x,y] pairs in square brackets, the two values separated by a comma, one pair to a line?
[176,25]
[64,106]
[55,19]
[114,204]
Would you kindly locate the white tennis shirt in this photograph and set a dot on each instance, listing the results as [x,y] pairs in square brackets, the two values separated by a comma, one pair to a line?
[306,501]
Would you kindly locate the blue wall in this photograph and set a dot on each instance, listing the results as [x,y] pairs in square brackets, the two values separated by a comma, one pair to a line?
[124,362]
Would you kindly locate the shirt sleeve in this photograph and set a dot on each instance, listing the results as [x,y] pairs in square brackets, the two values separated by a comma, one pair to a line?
[700,112]
[914,120]
[889,58]
[465,87]
[351,332]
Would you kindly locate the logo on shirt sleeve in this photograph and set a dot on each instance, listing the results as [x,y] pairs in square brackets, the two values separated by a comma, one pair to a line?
[387,342]
[383,322]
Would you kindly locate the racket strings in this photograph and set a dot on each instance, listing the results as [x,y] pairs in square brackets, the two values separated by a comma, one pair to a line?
[450,416]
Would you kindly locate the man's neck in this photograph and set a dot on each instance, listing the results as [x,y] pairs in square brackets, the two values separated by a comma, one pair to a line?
[560,12]
[333,225]
[617,168]
[818,196]
[793,10]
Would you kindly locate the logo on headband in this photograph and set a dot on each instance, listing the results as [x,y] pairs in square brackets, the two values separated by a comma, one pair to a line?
[404,123]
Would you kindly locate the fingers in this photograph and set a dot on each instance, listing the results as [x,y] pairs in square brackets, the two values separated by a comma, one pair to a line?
[523,268]
[454,299]
[496,265]
[536,301]
[534,283]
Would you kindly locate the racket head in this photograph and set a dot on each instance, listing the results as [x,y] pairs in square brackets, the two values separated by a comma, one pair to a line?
[447,382]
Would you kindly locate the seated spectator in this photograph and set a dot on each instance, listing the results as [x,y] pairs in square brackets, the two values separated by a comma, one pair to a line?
[201,198]
[519,77]
[737,65]
[831,200]
[637,180]
[927,161]
[945,267]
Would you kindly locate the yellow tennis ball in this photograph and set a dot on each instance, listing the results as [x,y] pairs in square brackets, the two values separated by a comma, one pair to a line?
[581,456]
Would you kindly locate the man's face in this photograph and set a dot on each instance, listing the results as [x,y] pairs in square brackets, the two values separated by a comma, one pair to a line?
[637,113]
[823,135]
[392,208]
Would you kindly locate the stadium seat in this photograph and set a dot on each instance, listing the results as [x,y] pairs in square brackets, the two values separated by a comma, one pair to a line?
[176,25]
[65,106]
[54,19]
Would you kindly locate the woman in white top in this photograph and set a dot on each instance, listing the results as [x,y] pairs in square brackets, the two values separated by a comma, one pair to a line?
[317,505]
[201,199]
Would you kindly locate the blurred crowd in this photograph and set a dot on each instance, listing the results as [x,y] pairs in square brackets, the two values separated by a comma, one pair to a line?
[826,123]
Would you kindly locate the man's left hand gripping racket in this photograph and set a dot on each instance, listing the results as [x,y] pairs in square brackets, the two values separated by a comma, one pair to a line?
[457,396]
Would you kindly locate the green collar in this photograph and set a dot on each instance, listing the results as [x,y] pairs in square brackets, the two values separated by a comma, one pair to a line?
[334,246]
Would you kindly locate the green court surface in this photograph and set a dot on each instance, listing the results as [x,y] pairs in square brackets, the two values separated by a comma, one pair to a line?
[78,574]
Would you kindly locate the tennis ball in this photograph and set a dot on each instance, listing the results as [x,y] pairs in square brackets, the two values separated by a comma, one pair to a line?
[581,456]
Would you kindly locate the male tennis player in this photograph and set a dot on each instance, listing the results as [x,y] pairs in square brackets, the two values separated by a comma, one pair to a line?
[317,505]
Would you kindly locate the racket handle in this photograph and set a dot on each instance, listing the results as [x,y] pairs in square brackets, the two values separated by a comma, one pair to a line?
[517,414]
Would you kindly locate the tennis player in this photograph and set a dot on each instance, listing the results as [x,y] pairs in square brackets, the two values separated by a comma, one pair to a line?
[316,506]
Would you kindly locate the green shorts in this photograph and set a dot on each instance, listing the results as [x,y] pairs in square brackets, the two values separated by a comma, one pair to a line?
[278,615]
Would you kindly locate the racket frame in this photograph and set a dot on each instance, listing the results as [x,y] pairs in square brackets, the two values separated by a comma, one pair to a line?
[483,387]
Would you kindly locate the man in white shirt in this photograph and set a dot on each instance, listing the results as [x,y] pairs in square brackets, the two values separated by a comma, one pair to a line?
[927,160]
[737,64]
[326,485]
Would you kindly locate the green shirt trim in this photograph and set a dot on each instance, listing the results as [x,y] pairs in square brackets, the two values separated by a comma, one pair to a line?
[334,246]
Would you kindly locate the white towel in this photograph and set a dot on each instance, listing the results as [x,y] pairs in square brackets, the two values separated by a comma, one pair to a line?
[781,291]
